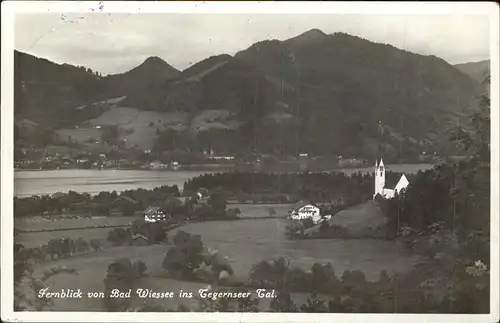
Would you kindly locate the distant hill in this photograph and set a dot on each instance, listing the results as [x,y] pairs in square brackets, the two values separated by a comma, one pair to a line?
[476,70]
[48,93]
[314,93]
[345,84]
[153,70]
[44,90]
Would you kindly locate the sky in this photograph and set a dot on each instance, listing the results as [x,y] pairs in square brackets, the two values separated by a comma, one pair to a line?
[116,42]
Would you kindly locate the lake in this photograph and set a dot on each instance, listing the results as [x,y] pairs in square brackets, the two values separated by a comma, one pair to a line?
[34,182]
[39,182]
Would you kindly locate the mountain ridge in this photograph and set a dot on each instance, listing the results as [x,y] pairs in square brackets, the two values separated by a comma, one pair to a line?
[477,70]
[295,93]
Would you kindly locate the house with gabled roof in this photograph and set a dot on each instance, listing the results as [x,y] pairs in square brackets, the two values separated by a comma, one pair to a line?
[155,213]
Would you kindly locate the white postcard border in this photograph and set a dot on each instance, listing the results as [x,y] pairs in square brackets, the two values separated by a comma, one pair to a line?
[9,9]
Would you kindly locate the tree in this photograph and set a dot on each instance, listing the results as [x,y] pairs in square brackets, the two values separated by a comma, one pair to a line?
[233,213]
[307,223]
[96,244]
[314,305]
[185,256]
[476,139]
[127,207]
[323,278]
[271,211]
[218,204]
[27,285]
[118,236]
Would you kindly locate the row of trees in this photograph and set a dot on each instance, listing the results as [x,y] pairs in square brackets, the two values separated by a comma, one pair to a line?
[57,248]
[351,292]
[154,232]
[444,215]
[126,202]
[189,260]
[452,197]
[315,187]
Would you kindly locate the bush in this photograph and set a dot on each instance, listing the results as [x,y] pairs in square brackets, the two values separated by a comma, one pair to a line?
[185,256]
[119,236]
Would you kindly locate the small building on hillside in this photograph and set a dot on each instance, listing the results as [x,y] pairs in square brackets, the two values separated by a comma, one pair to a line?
[139,240]
[155,214]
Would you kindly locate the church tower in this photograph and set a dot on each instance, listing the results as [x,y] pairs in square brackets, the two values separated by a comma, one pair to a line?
[379,178]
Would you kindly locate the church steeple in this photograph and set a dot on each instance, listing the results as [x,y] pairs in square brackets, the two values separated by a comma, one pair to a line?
[379,177]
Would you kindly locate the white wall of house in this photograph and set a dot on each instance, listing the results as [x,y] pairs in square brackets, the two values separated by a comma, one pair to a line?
[306,212]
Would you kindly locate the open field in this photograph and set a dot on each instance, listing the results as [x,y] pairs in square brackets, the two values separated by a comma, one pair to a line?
[213,119]
[36,239]
[245,243]
[260,210]
[80,135]
[92,271]
[40,223]
[81,227]
[141,128]
[92,266]
[145,124]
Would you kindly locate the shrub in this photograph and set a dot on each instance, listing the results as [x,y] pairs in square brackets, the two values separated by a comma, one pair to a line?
[185,256]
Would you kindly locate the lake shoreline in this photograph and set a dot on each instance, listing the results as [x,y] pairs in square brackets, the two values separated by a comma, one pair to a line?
[29,183]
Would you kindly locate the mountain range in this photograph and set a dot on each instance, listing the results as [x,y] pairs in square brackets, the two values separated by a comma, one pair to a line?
[317,92]
[477,70]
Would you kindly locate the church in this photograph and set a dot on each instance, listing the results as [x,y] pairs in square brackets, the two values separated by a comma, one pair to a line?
[387,193]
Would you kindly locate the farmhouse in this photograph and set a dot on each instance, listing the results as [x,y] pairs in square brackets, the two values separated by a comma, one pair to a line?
[155,213]
[307,211]
[380,189]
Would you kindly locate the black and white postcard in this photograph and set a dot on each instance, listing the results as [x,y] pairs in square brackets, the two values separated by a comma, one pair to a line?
[250,161]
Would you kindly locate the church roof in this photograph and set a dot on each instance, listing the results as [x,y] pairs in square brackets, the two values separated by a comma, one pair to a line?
[403,183]
[391,182]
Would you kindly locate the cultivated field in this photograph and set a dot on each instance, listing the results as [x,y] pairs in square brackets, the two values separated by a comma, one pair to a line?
[213,119]
[37,239]
[260,210]
[80,135]
[244,242]
[39,223]
[92,270]
[144,124]
[141,128]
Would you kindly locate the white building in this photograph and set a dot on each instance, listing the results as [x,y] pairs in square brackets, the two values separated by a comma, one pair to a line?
[155,214]
[308,211]
[380,189]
